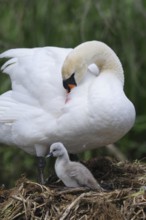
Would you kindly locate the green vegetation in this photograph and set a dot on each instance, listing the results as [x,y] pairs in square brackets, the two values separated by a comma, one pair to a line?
[120,24]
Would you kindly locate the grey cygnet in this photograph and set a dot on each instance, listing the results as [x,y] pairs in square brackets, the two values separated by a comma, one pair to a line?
[72,174]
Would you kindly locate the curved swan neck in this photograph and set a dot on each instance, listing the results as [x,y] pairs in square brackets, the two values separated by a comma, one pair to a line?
[95,52]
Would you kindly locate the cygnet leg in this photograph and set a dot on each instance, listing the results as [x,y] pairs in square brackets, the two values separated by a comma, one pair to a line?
[41,166]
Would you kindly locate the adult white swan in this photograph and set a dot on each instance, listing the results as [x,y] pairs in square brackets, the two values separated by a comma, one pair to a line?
[38,111]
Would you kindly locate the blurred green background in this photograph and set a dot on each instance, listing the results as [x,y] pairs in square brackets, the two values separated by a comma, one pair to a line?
[120,24]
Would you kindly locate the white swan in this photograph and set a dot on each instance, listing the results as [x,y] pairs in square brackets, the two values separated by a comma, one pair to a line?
[38,112]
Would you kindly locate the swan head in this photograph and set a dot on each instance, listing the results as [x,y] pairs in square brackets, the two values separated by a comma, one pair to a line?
[73,70]
[57,150]
[76,63]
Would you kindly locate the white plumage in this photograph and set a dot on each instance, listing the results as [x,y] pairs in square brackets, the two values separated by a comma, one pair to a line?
[38,112]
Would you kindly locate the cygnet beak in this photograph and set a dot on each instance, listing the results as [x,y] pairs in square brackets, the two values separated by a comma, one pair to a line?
[69,83]
[50,154]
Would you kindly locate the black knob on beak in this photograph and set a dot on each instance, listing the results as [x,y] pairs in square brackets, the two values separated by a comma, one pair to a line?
[69,83]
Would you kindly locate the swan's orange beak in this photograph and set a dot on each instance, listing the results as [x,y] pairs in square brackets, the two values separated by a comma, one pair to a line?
[69,83]
[71,86]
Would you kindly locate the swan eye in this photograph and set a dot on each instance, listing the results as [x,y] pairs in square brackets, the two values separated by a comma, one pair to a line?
[69,83]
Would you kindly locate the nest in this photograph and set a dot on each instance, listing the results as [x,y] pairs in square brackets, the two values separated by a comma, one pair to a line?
[124,196]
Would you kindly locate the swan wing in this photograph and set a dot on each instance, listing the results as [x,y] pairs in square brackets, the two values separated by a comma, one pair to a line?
[37,93]
[36,75]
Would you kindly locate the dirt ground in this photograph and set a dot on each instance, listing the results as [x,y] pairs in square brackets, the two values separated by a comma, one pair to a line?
[124,197]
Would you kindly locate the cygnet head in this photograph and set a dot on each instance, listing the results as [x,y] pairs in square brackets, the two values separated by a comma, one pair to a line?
[57,150]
